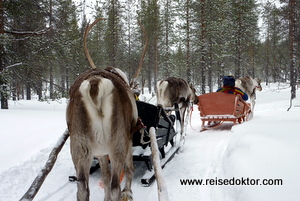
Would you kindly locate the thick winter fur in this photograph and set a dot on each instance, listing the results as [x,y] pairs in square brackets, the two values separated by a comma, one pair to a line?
[176,90]
[101,118]
[249,86]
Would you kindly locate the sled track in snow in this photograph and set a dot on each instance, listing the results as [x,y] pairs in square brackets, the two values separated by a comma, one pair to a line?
[216,166]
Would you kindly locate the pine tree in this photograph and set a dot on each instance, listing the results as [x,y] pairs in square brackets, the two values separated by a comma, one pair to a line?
[292,47]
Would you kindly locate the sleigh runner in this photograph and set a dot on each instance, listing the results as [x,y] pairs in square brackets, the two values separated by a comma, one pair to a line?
[217,107]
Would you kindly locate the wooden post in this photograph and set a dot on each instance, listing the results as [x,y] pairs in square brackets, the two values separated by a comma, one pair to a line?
[161,185]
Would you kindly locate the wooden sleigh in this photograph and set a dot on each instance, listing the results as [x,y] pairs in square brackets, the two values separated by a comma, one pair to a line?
[217,107]
[155,117]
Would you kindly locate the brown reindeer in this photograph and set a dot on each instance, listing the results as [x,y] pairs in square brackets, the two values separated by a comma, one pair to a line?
[249,85]
[176,90]
[101,117]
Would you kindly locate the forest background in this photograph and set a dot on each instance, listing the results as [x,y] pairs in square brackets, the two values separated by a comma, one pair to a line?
[41,51]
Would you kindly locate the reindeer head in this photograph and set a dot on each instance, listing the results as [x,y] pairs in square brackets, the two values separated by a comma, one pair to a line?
[193,97]
[257,84]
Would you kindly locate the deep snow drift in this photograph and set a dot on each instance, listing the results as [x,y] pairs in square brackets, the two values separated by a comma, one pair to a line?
[267,147]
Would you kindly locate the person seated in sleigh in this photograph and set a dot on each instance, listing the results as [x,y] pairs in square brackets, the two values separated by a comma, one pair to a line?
[229,87]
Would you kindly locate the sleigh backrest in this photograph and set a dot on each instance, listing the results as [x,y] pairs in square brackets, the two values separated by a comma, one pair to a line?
[219,103]
[155,116]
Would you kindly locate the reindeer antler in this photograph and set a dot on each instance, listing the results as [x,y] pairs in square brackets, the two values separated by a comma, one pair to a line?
[86,51]
[143,55]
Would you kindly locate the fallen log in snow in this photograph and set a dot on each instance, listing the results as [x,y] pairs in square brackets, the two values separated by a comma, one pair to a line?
[40,178]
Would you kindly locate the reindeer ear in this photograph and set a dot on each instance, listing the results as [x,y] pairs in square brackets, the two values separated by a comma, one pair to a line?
[238,82]
[258,80]
[192,87]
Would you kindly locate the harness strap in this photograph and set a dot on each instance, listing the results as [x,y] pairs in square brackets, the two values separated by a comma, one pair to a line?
[143,131]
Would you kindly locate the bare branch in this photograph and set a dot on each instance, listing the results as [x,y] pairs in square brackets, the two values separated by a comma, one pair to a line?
[11,66]
[16,64]
[40,32]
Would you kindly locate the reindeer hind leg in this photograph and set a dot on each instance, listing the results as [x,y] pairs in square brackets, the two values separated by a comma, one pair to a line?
[116,163]
[127,192]
[106,175]
[82,164]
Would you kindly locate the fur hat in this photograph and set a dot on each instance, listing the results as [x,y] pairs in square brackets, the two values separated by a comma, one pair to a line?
[228,81]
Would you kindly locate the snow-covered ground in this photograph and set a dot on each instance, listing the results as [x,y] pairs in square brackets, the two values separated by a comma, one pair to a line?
[267,147]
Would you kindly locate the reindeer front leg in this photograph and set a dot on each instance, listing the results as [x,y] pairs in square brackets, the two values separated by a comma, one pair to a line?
[127,192]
